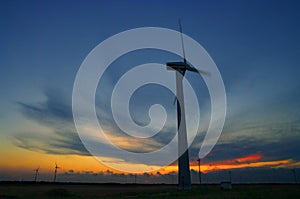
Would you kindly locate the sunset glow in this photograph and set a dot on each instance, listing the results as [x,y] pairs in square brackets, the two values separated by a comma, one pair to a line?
[253,47]
[250,161]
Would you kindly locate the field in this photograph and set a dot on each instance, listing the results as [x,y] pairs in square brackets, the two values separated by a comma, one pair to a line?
[65,190]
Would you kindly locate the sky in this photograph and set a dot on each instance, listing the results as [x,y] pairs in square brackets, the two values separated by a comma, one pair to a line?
[255,45]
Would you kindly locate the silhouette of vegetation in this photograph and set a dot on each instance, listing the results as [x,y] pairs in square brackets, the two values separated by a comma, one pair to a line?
[94,191]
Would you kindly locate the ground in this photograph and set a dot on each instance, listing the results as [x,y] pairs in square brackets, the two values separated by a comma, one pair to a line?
[93,191]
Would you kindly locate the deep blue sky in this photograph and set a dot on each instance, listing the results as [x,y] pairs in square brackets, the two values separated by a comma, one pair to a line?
[255,45]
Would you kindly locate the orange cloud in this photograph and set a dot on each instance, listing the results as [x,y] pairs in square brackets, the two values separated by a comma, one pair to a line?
[249,158]
[135,144]
[215,167]
[250,161]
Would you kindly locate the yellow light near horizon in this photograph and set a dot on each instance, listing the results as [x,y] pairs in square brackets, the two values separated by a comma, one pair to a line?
[25,161]
[21,159]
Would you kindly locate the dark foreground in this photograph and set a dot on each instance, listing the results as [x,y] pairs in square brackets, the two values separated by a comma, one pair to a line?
[65,190]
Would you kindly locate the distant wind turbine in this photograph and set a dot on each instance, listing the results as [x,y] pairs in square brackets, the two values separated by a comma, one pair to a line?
[230,179]
[199,170]
[55,172]
[184,175]
[36,173]
[295,175]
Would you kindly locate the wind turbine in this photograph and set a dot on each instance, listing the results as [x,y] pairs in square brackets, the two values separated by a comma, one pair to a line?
[199,170]
[55,172]
[36,173]
[230,179]
[184,175]
[295,175]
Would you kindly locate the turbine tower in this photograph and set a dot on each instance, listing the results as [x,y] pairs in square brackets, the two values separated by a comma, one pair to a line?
[36,173]
[184,176]
[199,170]
[55,172]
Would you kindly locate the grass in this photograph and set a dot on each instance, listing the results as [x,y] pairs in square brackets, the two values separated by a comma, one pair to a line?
[94,191]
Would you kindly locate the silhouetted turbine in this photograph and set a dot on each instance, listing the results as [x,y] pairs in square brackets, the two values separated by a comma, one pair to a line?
[55,172]
[199,171]
[36,173]
[184,175]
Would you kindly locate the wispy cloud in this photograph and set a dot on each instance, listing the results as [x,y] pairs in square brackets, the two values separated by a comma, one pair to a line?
[276,140]
[57,142]
[56,115]
[61,136]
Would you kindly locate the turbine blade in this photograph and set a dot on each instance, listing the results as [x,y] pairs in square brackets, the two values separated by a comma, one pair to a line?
[170,68]
[176,64]
[193,69]
[182,44]
[203,72]
[175,99]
